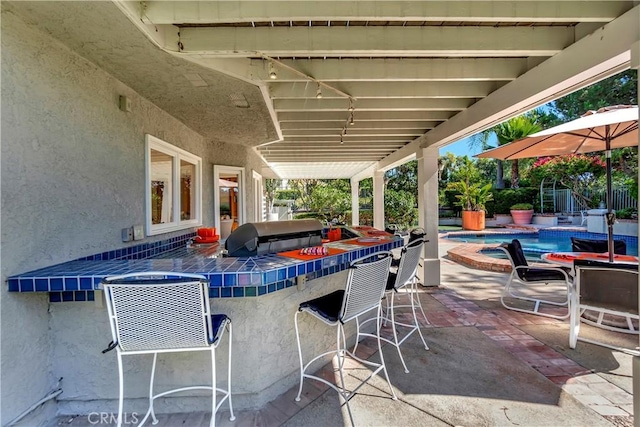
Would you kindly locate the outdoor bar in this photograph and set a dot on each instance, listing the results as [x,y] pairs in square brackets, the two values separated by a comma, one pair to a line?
[108,106]
[259,293]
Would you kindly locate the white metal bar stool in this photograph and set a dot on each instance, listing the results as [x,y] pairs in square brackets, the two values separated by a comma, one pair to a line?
[405,277]
[362,294]
[164,312]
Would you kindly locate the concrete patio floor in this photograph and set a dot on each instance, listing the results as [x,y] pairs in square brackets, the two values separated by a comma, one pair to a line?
[487,366]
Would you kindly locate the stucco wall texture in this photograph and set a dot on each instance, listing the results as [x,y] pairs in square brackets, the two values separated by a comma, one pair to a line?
[72,176]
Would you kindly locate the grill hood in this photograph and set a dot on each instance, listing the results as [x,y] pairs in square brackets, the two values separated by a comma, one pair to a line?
[258,238]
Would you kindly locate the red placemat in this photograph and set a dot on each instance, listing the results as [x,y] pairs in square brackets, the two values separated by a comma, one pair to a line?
[296,254]
[586,255]
[605,257]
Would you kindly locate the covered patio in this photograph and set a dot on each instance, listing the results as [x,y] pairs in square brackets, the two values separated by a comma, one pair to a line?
[248,90]
[486,366]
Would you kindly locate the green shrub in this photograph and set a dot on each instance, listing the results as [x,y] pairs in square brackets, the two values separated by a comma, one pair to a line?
[627,213]
[287,194]
[305,215]
[505,198]
[522,207]
[447,214]
[366,217]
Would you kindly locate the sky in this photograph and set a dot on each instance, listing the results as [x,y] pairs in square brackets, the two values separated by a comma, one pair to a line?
[461,148]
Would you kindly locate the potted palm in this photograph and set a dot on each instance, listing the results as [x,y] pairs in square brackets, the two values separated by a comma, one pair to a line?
[522,213]
[472,199]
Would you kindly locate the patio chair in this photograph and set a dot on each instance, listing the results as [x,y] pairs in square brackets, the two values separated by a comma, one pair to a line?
[363,294]
[164,312]
[584,215]
[597,246]
[523,276]
[609,289]
[403,278]
[410,236]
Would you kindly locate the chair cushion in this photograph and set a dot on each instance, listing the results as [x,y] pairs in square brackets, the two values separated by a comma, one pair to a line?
[540,275]
[597,246]
[391,281]
[327,306]
[517,256]
[217,320]
[517,253]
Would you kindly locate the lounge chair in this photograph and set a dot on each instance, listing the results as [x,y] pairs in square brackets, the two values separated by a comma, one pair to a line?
[524,276]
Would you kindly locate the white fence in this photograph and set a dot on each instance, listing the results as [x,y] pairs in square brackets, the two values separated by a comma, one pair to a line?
[566,202]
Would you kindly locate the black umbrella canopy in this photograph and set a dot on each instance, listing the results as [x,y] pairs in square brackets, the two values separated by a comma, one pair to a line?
[601,130]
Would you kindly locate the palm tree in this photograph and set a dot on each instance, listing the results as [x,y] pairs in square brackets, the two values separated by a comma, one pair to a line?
[506,132]
[512,130]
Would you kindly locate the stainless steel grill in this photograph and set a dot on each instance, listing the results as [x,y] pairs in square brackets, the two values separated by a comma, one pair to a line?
[258,238]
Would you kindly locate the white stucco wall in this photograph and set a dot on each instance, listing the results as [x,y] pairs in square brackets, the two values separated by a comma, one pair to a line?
[264,362]
[72,178]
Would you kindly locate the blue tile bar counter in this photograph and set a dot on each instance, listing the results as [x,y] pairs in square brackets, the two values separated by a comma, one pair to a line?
[228,277]
[260,294]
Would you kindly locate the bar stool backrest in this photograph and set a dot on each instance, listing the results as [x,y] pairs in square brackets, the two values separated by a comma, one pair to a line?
[409,259]
[148,313]
[366,283]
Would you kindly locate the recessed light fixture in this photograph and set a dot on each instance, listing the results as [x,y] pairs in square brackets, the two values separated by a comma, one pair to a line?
[272,71]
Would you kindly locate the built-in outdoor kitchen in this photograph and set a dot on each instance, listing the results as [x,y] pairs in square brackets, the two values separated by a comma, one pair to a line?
[258,276]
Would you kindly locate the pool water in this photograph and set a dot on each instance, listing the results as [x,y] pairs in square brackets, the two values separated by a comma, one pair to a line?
[532,244]
[529,241]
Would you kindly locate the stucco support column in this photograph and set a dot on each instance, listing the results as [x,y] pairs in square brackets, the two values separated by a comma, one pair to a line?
[428,212]
[378,200]
[355,202]
[635,64]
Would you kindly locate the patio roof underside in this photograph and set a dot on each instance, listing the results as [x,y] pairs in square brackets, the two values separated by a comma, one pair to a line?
[395,76]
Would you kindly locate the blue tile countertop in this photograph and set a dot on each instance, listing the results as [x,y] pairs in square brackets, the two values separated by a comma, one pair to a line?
[228,277]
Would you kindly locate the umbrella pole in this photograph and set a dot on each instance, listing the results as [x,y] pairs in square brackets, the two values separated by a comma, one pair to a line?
[611,216]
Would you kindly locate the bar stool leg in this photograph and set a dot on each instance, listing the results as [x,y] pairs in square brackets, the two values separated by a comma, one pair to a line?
[414,293]
[233,417]
[212,423]
[341,356]
[121,388]
[355,347]
[295,321]
[386,311]
[395,332]
[150,411]
[151,380]
[384,366]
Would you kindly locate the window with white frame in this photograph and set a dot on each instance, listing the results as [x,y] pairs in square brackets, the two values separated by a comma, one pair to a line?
[173,187]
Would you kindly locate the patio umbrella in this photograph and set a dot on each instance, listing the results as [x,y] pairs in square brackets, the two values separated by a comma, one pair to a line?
[602,130]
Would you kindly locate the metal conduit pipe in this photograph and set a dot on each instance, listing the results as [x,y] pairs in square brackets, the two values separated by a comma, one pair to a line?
[51,395]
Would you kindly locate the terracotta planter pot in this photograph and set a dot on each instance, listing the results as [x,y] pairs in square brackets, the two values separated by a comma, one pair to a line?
[473,220]
[522,217]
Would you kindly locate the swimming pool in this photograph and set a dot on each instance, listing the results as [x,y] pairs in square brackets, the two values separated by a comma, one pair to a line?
[537,243]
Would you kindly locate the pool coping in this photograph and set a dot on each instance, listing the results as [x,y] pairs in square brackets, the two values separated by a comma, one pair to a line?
[469,255]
